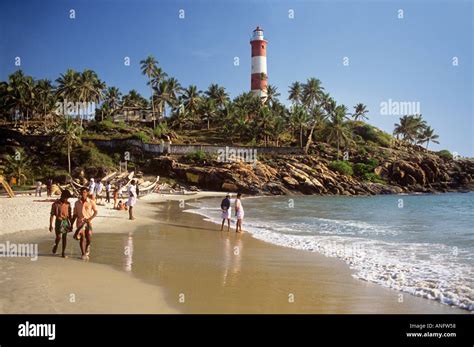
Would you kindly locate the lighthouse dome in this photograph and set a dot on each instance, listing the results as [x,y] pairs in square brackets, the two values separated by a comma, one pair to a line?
[257,34]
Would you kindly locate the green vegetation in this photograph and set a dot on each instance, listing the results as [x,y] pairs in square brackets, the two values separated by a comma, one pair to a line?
[89,155]
[140,135]
[413,129]
[370,133]
[197,156]
[445,154]
[372,177]
[190,115]
[18,165]
[342,167]
[160,130]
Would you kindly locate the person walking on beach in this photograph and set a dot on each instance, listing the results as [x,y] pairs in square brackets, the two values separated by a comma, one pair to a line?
[119,189]
[108,187]
[239,212]
[132,199]
[98,191]
[92,187]
[49,187]
[38,188]
[116,193]
[85,210]
[61,216]
[225,207]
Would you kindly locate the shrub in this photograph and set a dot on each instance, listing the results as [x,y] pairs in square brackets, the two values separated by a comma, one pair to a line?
[160,130]
[342,167]
[140,135]
[372,134]
[362,151]
[372,163]
[197,156]
[445,154]
[89,155]
[360,169]
[372,177]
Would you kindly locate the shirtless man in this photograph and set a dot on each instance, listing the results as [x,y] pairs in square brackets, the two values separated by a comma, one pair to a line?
[85,211]
[61,216]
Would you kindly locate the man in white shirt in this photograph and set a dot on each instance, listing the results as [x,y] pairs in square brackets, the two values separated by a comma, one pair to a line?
[132,199]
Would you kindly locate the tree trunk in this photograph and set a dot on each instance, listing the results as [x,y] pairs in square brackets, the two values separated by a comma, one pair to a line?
[338,149]
[301,136]
[152,105]
[310,139]
[69,157]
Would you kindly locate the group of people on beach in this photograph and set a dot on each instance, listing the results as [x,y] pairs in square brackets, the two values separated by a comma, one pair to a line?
[63,217]
[39,187]
[226,212]
[97,188]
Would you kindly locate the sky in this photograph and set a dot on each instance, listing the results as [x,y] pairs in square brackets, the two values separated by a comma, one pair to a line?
[362,51]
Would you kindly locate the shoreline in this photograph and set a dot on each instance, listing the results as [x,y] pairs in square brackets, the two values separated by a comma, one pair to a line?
[176,252]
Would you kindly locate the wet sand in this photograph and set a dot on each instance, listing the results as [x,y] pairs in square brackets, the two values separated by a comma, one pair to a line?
[203,270]
[172,261]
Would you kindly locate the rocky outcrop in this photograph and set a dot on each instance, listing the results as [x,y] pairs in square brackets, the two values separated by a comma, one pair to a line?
[310,174]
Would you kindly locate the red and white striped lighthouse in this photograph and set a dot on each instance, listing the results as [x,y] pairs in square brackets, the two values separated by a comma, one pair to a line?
[259,79]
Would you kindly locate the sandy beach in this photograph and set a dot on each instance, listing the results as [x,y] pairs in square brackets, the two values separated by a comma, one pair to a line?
[170,261]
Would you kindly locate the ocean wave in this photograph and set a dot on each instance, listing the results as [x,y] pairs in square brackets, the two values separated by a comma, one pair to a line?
[433,271]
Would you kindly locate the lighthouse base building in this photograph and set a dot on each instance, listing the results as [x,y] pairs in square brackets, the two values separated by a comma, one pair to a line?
[259,77]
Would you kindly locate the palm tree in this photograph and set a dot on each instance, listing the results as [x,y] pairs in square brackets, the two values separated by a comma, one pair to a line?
[218,94]
[180,116]
[318,117]
[28,96]
[208,110]
[89,89]
[248,103]
[112,101]
[160,96]
[295,93]
[67,87]
[70,133]
[263,123]
[428,135]
[278,128]
[359,112]
[338,129]
[44,98]
[174,90]
[17,165]
[191,100]
[4,102]
[13,99]
[312,93]
[299,119]
[410,127]
[272,95]
[149,67]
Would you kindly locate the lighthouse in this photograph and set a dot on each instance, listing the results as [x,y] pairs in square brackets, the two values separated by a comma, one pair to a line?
[259,78]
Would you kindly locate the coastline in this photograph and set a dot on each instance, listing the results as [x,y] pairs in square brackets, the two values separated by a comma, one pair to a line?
[182,263]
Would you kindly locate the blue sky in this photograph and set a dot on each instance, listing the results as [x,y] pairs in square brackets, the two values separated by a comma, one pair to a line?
[407,59]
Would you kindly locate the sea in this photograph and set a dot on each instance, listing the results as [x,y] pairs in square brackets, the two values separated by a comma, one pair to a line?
[417,244]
